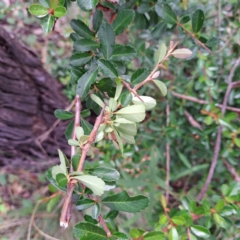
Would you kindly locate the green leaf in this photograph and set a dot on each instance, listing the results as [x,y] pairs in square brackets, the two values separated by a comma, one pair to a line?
[57,170]
[54,4]
[45,3]
[88,231]
[161,86]
[107,68]
[135,113]
[140,75]
[47,23]
[200,231]
[106,38]
[184,160]
[126,99]
[118,91]
[105,84]
[178,220]
[84,204]
[154,236]
[87,5]
[182,53]
[94,183]
[212,42]
[60,11]
[123,202]
[85,45]
[148,102]
[119,140]
[120,236]
[123,19]
[85,82]
[97,100]
[159,30]
[224,189]
[38,10]
[220,220]
[89,219]
[63,115]
[160,53]
[63,164]
[105,173]
[197,20]
[123,53]
[81,29]
[112,214]
[127,138]
[69,130]
[53,202]
[163,201]
[184,19]
[173,234]
[166,13]
[97,19]
[237,142]
[220,205]
[87,127]
[136,232]
[80,59]
[75,161]
[61,180]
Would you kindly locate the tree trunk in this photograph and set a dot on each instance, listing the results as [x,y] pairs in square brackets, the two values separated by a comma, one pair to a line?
[28,97]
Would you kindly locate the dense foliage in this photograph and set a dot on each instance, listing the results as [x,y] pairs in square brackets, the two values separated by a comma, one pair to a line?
[171,66]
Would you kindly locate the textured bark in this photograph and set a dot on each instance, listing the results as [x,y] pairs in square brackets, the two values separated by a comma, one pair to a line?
[28,97]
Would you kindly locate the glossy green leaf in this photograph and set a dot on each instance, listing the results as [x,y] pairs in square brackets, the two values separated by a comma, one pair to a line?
[184,19]
[159,30]
[97,100]
[126,99]
[178,220]
[173,234]
[60,11]
[94,183]
[47,23]
[107,68]
[85,45]
[105,173]
[87,5]
[106,37]
[123,53]
[166,13]
[87,127]
[200,231]
[118,91]
[63,115]
[97,19]
[140,75]
[197,20]
[105,84]
[129,129]
[89,219]
[123,202]
[85,82]
[120,236]
[81,29]
[148,102]
[161,86]
[96,210]
[45,3]
[89,231]
[154,236]
[75,161]
[84,204]
[136,232]
[135,113]
[112,214]
[38,10]
[73,142]
[61,180]
[63,163]
[54,4]
[160,53]
[220,220]
[123,19]
[80,59]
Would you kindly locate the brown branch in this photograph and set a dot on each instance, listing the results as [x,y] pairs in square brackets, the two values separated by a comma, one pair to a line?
[189,234]
[194,37]
[232,171]
[66,209]
[193,99]
[219,134]
[101,220]
[168,159]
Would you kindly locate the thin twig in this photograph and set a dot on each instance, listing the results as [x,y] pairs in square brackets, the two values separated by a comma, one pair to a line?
[168,159]
[232,171]
[194,37]
[76,124]
[219,134]
[193,99]
[101,220]
[66,209]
